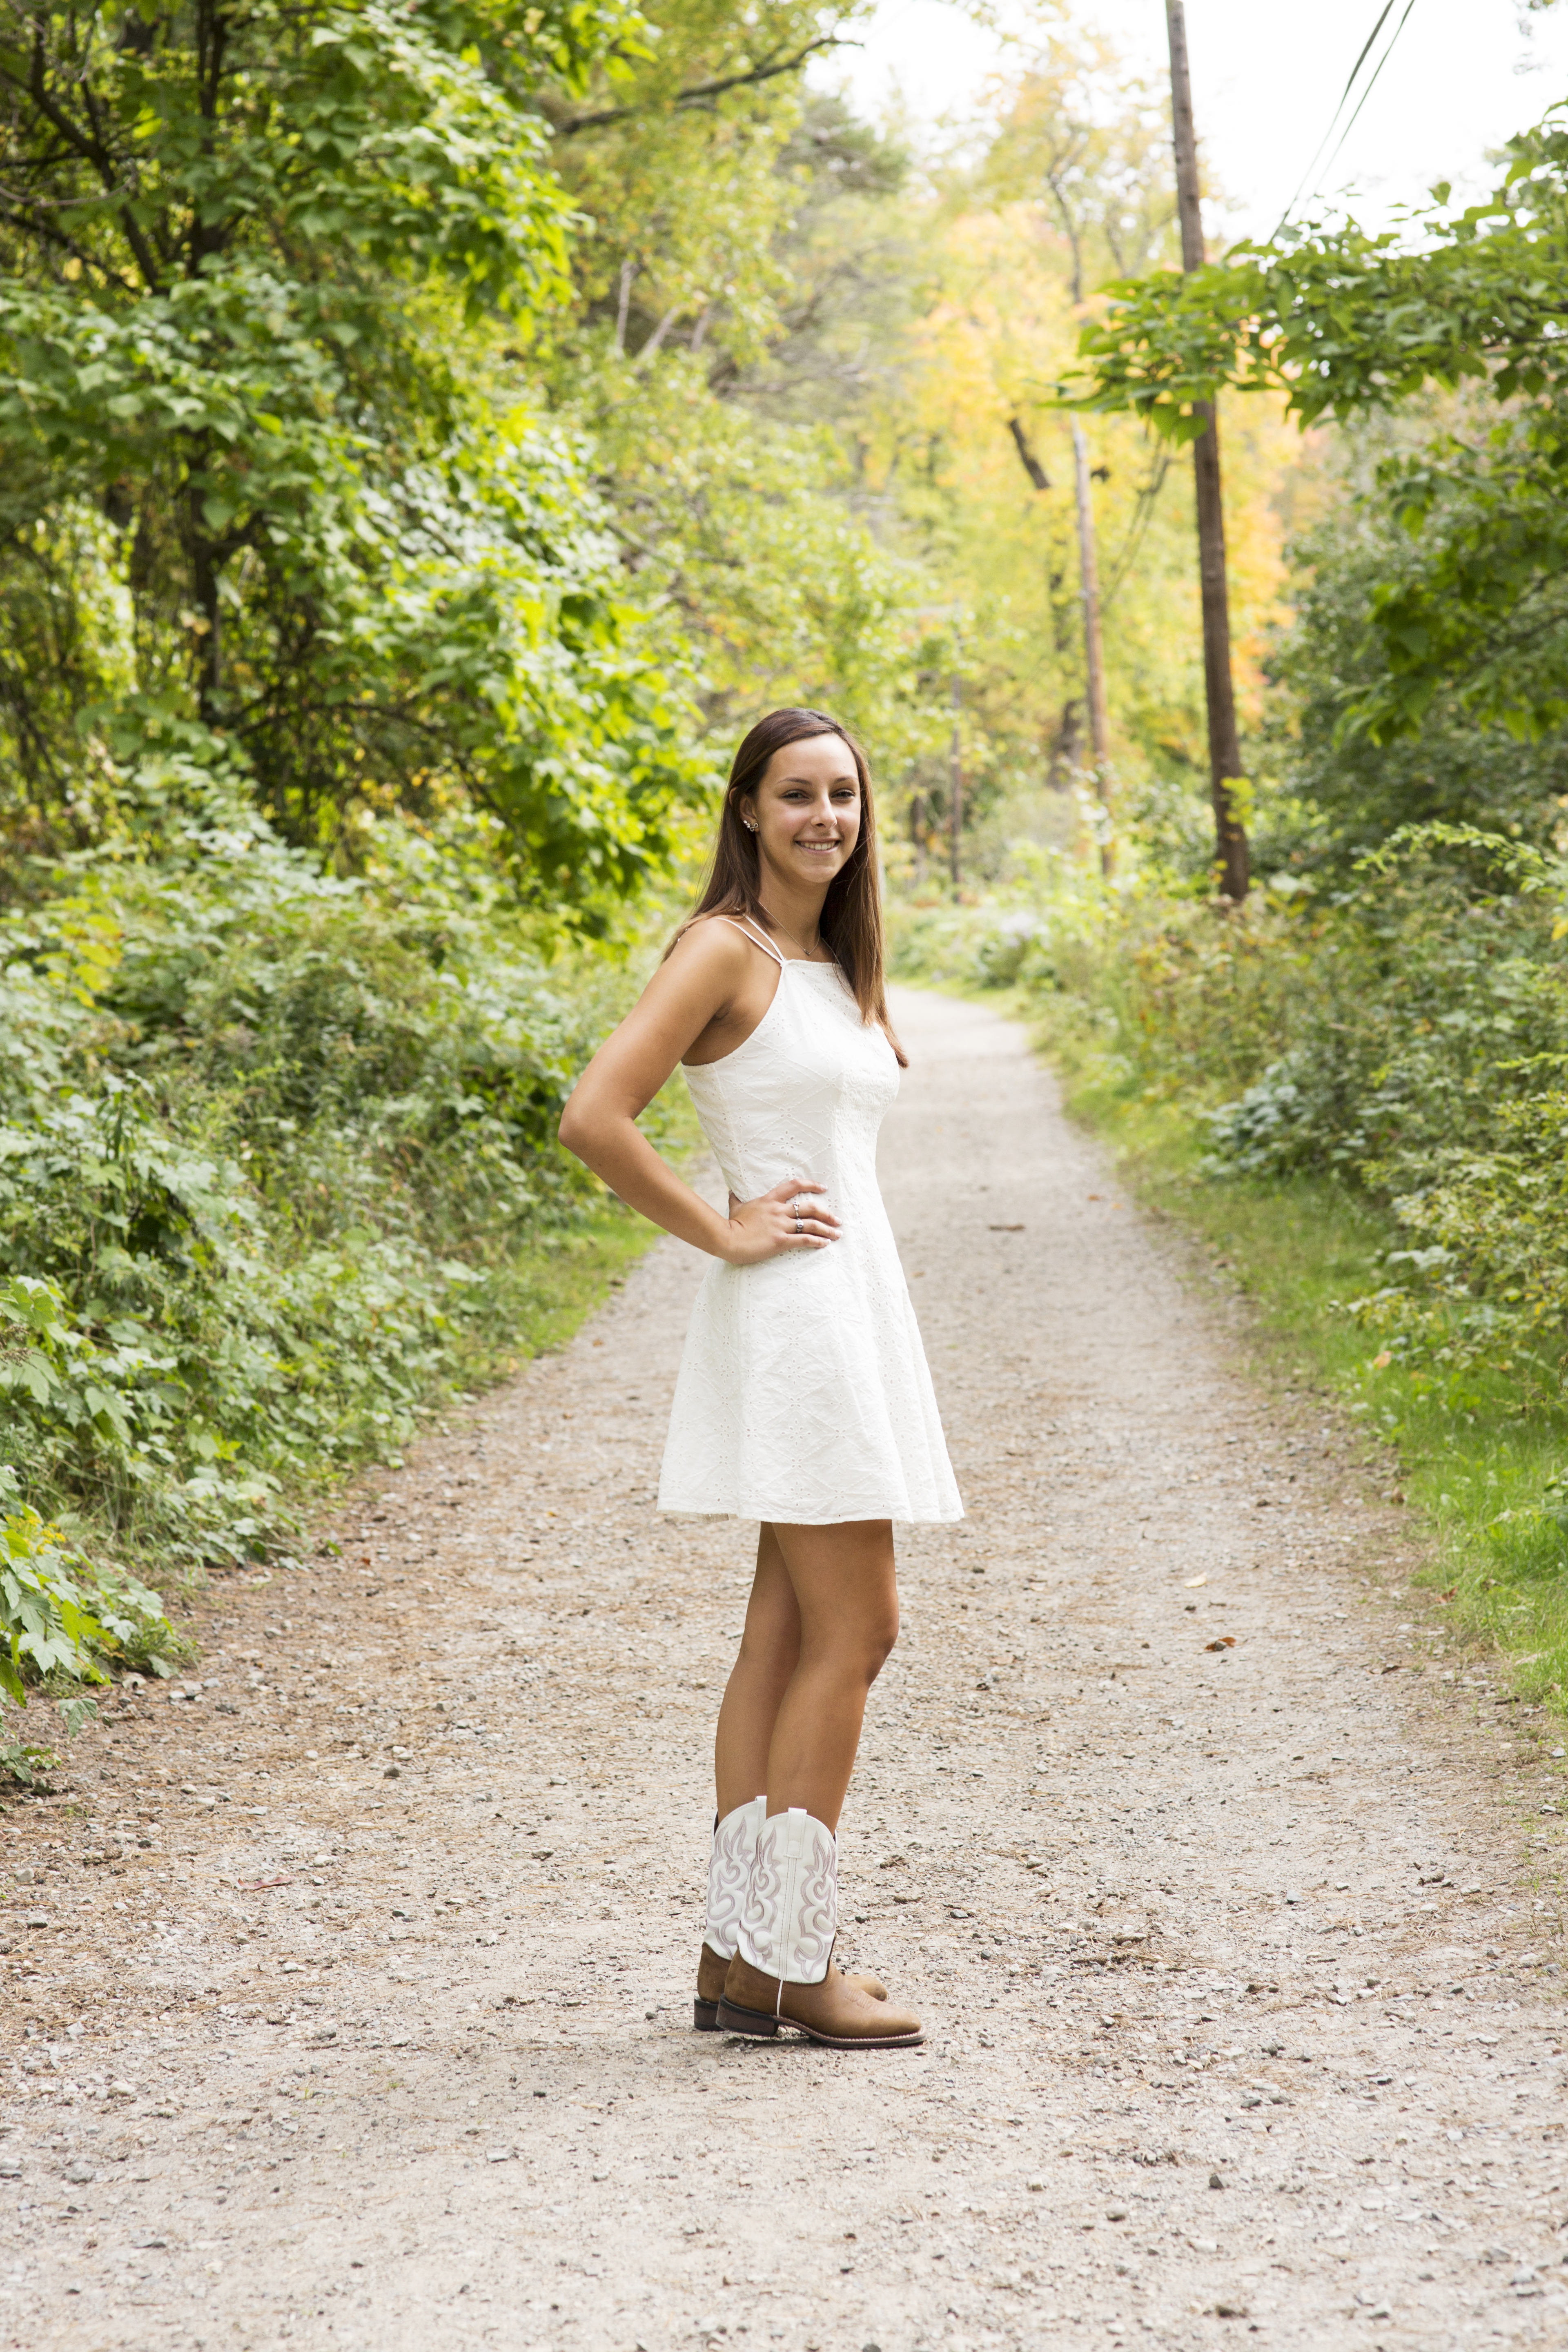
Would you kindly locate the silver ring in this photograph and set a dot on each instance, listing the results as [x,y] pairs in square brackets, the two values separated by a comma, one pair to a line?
[797,1223]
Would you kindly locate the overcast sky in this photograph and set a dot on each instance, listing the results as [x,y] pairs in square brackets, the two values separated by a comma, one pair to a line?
[1267,76]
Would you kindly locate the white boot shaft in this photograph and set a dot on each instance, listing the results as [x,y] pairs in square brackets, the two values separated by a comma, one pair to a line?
[791,1917]
[729,1874]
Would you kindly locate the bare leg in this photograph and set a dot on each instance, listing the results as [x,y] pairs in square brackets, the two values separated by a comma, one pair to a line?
[845,1593]
[770,1650]
[843,1623]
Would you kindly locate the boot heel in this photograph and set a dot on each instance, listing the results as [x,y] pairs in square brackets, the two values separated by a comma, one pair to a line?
[755,2023]
[705,2016]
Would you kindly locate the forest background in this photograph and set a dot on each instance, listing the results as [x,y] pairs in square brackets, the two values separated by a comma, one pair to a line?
[433,433]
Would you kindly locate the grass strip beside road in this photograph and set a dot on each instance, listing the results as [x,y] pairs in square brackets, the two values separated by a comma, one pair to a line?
[1469,1452]
[549,1290]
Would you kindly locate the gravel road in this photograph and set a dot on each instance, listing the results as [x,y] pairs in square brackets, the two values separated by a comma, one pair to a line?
[349,1985]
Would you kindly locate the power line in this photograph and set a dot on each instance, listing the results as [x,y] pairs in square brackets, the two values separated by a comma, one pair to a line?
[1367,93]
[1389,6]
[1367,46]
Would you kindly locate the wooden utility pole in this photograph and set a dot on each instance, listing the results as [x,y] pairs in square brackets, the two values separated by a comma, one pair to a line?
[1093,644]
[1225,749]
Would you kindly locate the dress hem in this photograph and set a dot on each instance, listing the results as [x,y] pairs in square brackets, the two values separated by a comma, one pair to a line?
[797,1519]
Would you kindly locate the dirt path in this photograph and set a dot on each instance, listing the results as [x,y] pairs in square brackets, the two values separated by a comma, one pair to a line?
[1236,1945]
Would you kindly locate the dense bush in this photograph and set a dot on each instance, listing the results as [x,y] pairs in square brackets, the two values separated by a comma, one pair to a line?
[270,463]
[271,1143]
[1407,1035]
[1349,793]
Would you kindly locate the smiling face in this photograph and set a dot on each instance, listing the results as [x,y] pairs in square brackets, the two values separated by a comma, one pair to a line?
[806,811]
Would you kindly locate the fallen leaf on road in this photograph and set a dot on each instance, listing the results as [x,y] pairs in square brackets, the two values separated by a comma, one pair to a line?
[1225,1642]
[265,1882]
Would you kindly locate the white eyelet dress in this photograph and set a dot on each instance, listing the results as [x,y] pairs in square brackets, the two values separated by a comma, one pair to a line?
[804,1396]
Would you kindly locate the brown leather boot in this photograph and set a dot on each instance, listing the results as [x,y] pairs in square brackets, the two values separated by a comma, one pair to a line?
[836,2011]
[711,1967]
[782,1971]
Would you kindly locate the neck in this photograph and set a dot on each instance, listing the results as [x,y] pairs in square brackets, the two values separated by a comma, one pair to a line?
[795,912]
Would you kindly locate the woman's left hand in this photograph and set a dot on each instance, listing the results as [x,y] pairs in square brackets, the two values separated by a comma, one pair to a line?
[785,1218]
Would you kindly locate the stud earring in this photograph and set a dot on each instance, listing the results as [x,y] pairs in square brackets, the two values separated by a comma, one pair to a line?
[749,825]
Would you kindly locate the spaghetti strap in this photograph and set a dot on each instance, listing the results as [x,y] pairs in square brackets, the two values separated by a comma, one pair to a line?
[758,939]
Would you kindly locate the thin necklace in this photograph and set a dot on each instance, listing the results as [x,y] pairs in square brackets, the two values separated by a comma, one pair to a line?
[805,956]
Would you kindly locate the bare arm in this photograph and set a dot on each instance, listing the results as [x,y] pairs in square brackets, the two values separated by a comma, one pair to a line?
[692,991]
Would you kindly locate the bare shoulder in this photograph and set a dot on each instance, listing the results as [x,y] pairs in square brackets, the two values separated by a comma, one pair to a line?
[712,948]
[706,970]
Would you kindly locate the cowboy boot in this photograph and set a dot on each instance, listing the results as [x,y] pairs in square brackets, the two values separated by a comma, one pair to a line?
[782,1971]
[729,1877]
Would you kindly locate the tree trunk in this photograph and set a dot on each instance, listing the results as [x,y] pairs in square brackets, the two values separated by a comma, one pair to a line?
[1094,645]
[206,562]
[1225,749]
[1065,746]
[955,813]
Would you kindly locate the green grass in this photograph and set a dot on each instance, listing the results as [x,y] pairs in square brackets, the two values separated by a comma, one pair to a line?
[1470,1452]
[550,1288]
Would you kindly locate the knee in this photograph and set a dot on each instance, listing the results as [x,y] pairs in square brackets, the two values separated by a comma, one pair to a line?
[876,1639]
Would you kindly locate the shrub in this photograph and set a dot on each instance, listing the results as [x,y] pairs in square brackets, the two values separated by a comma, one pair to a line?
[57,1619]
[1407,1035]
[61,1624]
[277,1152]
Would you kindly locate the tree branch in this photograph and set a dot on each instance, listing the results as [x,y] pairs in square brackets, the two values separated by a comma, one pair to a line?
[1026,458]
[90,151]
[19,212]
[649,350]
[769,70]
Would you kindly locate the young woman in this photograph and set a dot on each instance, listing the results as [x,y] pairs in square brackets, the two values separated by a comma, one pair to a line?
[804,1398]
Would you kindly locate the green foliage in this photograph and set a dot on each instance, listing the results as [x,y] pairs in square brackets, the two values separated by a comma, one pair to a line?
[748,240]
[26,1763]
[674,154]
[57,1621]
[277,1162]
[1430,1029]
[1339,323]
[1406,1037]
[61,1624]
[466,409]
[1352,793]
[251,251]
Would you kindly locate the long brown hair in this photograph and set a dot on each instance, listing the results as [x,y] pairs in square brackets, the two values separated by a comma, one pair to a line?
[851,918]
